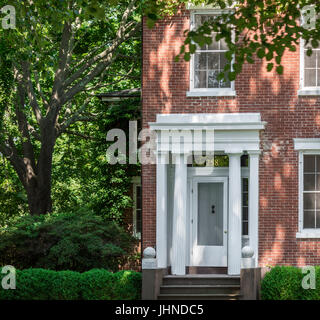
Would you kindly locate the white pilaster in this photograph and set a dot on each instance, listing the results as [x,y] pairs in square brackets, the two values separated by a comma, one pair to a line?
[161,231]
[178,264]
[234,232]
[254,202]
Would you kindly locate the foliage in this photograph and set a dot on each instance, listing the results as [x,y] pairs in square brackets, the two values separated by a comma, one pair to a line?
[285,283]
[251,29]
[81,175]
[59,56]
[76,241]
[101,284]
[96,284]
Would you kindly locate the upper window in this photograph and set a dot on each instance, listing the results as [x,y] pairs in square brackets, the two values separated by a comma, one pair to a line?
[208,62]
[311,70]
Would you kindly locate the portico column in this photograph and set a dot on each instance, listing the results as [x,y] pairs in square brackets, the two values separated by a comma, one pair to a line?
[254,202]
[234,232]
[161,232]
[178,260]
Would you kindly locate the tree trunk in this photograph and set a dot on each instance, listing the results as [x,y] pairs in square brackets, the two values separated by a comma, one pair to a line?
[39,199]
[39,185]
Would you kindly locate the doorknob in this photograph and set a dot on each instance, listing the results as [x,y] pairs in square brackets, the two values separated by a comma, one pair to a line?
[213,209]
[225,231]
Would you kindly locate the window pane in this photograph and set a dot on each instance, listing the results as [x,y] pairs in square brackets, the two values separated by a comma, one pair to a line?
[245,213]
[318,77]
[318,182]
[214,45]
[225,83]
[308,201]
[139,221]
[309,163]
[310,77]
[223,60]
[308,219]
[200,79]
[317,196]
[245,199]
[317,163]
[223,45]
[309,182]
[213,61]
[212,79]
[200,61]
[245,184]
[317,219]
[310,62]
[245,228]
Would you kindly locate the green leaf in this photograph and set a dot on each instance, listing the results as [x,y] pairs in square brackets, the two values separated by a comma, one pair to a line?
[279,69]
[270,67]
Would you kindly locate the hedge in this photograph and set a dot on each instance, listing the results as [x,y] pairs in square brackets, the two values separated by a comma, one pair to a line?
[285,283]
[96,284]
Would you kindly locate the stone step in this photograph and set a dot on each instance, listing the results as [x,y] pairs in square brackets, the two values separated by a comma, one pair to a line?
[200,289]
[199,279]
[186,296]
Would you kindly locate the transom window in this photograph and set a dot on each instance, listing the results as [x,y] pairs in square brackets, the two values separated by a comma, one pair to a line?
[209,60]
[311,191]
[311,68]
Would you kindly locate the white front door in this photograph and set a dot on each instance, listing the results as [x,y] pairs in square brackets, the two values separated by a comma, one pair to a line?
[209,221]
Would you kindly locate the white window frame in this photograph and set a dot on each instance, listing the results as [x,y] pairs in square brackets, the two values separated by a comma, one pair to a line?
[206,92]
[305,91]
[309,146]
[136,182]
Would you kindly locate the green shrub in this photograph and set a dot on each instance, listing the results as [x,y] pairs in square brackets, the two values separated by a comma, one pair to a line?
[100,284]
[77,241]
[285,283]
[96,284]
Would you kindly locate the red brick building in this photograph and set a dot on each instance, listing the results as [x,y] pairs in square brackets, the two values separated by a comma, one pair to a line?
[267,125]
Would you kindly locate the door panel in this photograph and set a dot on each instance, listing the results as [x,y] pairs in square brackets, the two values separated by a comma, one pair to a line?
[210,214]
[209,222]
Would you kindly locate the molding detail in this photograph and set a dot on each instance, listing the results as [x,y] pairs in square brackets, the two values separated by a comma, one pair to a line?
[306,143]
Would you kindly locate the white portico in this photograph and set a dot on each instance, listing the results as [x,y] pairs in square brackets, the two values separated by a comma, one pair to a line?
[199,209]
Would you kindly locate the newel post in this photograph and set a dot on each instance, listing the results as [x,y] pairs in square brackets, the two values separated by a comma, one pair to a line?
[151,275]
[250,276]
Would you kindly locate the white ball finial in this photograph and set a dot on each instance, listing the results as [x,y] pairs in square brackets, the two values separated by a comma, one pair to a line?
[247,252]
[149,253]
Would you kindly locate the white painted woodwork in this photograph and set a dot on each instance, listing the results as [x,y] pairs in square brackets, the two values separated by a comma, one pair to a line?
[162,205]
[234,243]
[254,202]
[178,260]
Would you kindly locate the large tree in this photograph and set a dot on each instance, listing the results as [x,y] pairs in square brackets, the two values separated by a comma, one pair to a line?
[58,56]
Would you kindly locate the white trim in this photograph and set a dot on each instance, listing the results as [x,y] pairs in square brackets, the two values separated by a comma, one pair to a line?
[308,235]
[235,214]
[207,92]
[306,146]
[223,92]
[254,203]
[162,209]
[309,92]
[311,144]
[179,235]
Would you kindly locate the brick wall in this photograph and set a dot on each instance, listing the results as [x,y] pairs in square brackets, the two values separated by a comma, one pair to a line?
[165,83]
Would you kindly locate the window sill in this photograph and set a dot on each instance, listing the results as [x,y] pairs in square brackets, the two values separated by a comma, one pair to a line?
[212,93]
[308,235]
[309,92]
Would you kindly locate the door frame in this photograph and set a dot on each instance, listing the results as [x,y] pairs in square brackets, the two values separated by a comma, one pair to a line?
[194,211]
